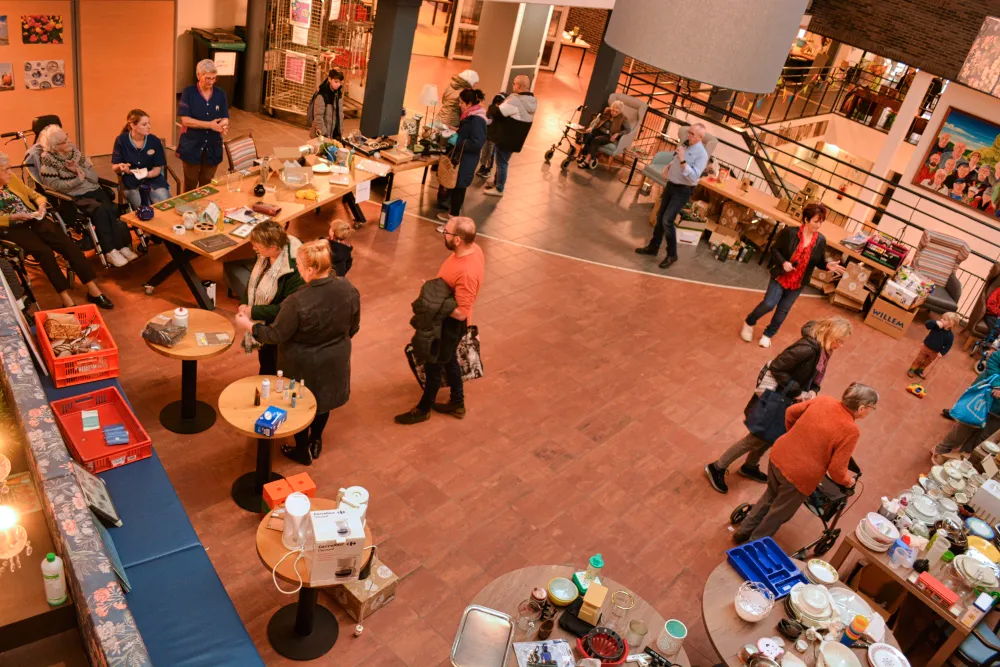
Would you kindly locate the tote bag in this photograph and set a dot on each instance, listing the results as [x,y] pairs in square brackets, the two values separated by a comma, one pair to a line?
[973,406]
[468,358]
[448,170]
[767,418]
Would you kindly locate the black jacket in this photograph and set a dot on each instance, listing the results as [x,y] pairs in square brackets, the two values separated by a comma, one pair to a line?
[795,367]
[341,255]
[784,247]
[510,132]
[471,137]
[434,305]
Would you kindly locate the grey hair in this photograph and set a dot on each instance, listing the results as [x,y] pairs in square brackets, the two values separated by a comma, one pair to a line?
[49,136]
[858,395]
[618,104]
[4,160]
[206,66]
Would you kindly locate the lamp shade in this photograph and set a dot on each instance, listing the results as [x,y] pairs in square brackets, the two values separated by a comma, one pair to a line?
[429,95]
[980,69]
[726,43]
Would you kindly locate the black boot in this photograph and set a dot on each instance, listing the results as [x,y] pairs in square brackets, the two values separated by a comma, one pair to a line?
[301,455]
[316,448]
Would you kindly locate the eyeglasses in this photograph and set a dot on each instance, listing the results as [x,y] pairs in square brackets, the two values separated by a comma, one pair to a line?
[442,230]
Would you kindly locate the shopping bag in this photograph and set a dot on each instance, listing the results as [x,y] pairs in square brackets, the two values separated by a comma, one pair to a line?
[468,358]
[973,406]
[766,420]
[448,170]
[765,380]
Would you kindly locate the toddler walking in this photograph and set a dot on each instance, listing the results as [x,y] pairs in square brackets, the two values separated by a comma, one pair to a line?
[340,249]
[937,344]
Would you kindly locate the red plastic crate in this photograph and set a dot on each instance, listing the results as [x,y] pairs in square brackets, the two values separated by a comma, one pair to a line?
[79,368]
[88,447]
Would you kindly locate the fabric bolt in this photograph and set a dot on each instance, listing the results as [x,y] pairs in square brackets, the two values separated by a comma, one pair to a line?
[464,275]
[41,240]
[147,156]
[779,503]
[198,145]
[821,438]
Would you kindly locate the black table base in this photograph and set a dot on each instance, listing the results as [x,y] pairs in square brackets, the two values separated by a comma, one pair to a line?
[181,262]
[304,630]
[188,415]
[248,489]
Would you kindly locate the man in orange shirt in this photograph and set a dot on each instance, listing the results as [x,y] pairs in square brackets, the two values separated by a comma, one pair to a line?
[463,272]
[821,438]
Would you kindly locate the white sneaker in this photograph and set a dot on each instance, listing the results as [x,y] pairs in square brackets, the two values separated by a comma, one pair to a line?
[493,192]
[115,259]
[444,217]
[746,333]
[128,254]
[764,341]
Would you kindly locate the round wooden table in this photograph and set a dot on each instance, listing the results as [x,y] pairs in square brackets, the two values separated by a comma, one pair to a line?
[303,630]
[237,408]
[508,591]
[189,415]
[728,632]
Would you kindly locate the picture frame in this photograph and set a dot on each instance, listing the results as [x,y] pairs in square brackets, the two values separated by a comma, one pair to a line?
[95,492]
[962,163]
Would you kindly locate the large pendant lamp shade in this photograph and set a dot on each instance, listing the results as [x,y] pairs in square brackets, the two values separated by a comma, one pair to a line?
[736,44]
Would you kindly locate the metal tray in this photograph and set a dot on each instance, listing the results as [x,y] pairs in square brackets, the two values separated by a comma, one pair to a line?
[484,638]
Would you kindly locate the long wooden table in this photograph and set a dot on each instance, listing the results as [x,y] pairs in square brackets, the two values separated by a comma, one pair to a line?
[881,561]
[767,205]
[182,247]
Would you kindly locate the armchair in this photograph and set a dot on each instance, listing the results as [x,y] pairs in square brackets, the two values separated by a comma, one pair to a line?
[654,170]
[945,298]
[635,112]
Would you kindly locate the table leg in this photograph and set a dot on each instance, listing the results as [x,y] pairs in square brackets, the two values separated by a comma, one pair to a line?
[842,553]
[423,180]
[248,489]
[631,172]
[558,56]
[583,56]
[354,208]
[182,263]
[188,415]
[390,177]
[941,657]
[304,630]
[435,17]
[162,274]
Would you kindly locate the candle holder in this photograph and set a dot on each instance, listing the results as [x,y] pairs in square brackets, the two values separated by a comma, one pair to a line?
[13,536]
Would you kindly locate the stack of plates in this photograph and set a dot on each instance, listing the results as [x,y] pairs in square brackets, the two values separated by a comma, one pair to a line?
[923,509]
[979,528]
[812,604]
[949,478]
[876,532]
[984,547]
[820,572]
[975,571]
[884,655]
[961,466]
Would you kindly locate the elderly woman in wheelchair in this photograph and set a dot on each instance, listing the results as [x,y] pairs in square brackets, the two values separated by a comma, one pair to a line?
[607,127]
[67,172]
[23,222]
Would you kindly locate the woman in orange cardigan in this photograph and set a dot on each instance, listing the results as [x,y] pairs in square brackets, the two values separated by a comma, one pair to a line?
[821,438]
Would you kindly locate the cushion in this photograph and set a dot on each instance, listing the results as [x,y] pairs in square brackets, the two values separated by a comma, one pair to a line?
[939,255]
[53,393]
[975,651]
[185,615]
[242,153]
[154,522]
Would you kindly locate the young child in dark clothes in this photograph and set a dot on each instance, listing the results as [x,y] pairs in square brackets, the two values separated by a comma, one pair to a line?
[340,249]
[936,345]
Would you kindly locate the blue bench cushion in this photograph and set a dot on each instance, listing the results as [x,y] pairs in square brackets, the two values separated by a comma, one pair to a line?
[154,523]
[54,393]
[185,615]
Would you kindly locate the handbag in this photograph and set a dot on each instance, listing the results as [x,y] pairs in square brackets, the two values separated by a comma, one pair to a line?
[765,380]
[448,170]
[766,420]
[468,358]
[973,407]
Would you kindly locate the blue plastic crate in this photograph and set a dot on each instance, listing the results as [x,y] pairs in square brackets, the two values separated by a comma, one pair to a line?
[763,561]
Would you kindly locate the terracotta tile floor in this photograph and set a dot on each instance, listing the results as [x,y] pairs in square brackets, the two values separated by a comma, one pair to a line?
[606,392]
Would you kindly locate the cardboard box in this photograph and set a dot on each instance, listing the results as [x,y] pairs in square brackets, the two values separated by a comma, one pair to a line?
[361,599]
[269,422]
[899,295]
[809,190]
[276,492]
[829,288]
[783,204]
[799,199]
[853,283]
[824,276]
[889,318]
[846,302]
[723,236]
[688,236]
[302,483]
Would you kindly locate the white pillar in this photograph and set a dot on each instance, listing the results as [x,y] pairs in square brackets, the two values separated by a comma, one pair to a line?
[897,135]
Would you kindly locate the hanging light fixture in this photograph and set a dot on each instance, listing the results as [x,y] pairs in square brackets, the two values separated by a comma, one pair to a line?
[725,43]
[979,69]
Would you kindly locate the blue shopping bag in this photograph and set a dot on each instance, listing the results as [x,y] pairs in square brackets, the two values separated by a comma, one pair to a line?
[973,406]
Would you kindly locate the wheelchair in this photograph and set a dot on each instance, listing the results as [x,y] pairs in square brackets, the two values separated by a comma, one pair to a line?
[12,265]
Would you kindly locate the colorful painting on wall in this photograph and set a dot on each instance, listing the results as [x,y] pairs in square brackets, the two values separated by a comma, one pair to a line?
[6,76]
[44,74]
[42,29]
[4,38]
[963,163]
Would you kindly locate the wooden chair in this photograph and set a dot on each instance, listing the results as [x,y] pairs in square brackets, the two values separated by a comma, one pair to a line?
[241,152]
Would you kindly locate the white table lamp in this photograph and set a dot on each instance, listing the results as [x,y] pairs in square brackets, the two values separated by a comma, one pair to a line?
[429,98]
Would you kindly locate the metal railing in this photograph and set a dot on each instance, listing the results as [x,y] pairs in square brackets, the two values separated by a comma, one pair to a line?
[801,92]
[747,152]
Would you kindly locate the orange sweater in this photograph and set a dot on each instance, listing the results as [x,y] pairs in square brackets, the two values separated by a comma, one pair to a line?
[464,275]
[821,438]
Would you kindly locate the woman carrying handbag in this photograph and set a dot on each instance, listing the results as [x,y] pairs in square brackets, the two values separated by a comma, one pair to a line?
[457,172]
[794,375]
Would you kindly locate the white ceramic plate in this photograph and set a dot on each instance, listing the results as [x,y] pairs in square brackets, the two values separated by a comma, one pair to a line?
[821,571]
[884,655]
[849,604]
[868,543]
[321,168]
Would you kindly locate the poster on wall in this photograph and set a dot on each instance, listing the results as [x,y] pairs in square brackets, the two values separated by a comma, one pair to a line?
[300,13]
[963,163]
[6,76]
[225,62]
[42,29]
[44,74]
[295,68]
[4,37]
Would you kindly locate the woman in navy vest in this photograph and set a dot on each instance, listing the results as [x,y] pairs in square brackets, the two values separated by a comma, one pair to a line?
[135,149]
[204,114]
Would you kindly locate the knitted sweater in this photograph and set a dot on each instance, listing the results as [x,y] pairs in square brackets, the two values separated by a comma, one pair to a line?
[821,438]
[57,175]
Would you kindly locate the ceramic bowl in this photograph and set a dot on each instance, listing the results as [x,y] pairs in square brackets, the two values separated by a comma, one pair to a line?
[812,600]
[835,654]
[562,592]
[820,572]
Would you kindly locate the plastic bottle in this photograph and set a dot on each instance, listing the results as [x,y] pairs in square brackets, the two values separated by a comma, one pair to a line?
[936,549]
[281,382]
[901,552]
[594,567]
[265,388]
[55,579]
